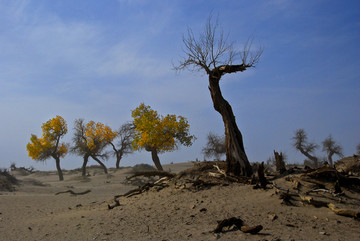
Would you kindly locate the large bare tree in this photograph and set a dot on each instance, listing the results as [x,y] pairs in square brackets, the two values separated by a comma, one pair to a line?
[331,148]
[213,53]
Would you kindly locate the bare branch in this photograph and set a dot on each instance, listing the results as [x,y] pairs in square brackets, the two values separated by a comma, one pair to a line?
[212,49]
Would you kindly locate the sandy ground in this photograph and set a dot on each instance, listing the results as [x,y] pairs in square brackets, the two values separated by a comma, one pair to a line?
[34,212]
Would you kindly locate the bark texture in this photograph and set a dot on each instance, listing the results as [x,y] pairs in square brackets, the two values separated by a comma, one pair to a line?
[237,161]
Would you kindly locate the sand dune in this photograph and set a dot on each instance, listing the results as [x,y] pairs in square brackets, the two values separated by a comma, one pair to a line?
[34,212]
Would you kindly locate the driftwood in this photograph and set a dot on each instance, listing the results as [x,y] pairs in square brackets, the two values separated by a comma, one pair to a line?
[344,212]
[74,193]
[332,207]
[326,191]
[239,224]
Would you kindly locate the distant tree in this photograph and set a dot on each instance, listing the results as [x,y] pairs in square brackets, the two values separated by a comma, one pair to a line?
[212,53]
[280,162]
[358,149]
[123,146]
[158,134]
[301,144]
[215,146]
[90,140]
[331,148]
[49,145]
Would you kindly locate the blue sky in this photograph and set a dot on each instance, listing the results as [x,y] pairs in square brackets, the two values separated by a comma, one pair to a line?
[98,60]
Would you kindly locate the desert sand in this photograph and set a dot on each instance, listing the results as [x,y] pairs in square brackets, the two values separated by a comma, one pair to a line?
[34,212]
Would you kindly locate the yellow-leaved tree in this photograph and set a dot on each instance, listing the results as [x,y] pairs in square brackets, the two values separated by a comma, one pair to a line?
[158,134]
[49,144]
[90,140]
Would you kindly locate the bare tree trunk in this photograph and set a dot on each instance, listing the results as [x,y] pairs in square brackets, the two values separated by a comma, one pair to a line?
[312,158]
[156,159]
[101,164]
[57,160]
[237,161]
[86,159]
[330,159]
[118,158]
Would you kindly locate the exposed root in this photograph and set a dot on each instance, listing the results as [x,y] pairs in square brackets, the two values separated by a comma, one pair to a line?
[74,193]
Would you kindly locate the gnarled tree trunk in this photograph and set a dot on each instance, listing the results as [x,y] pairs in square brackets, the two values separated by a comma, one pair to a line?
[156,159]
[312,158]
[237,161]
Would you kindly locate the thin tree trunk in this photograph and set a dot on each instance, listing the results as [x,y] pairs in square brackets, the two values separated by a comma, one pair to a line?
[156,159]
[118,158]
[86,159]
[237,161]
[57,160]
[101,164]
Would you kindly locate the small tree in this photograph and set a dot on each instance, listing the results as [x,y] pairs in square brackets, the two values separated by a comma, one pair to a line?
[211,52]
[125,136]
[90,140]
[49,144]
[301,144]
[158,134]
[215,146]
[358,149]
[331,148]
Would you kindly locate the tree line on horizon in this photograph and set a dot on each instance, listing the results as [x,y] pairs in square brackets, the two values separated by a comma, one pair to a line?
[148,130]
[210,52]
[215,147]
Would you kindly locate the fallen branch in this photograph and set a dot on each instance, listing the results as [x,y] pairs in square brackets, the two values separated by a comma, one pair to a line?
[312,201]
[239,224]
[326,191]
[74,193]
[332,207]
[344,212]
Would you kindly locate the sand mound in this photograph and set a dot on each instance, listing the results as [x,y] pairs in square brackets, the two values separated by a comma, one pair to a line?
[7,181]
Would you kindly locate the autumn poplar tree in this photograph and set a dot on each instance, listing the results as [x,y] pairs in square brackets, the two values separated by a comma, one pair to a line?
[158,134]
[90,140]
[211,52]
[49,144]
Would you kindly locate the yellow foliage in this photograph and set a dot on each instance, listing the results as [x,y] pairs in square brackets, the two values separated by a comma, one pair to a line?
[48,145]
[159,132]
[97,135]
